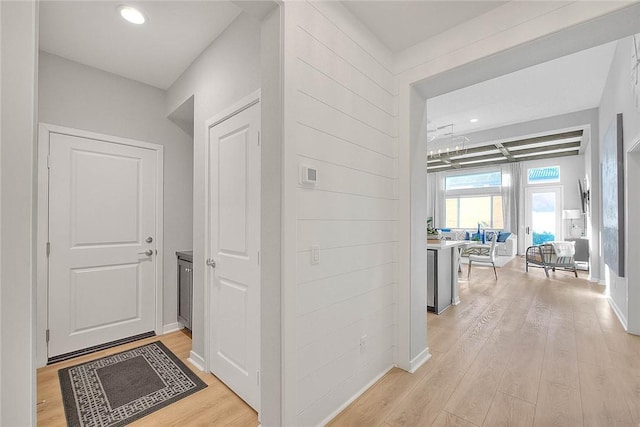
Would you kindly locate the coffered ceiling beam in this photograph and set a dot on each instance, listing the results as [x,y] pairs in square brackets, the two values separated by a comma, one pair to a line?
[545,138]
[504,151]
[533,151]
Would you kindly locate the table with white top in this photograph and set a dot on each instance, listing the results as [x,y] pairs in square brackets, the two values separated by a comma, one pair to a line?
[442,274]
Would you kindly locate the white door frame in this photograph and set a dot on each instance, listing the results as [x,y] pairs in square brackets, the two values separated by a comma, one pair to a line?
[632,239]
[238,107]
[42,232]
[527,211]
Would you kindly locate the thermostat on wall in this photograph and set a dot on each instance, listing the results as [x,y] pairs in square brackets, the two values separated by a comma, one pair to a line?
[309,175]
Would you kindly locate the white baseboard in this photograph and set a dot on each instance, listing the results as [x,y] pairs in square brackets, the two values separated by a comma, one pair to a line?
[359,393]
[196,360]
[456,301]
[171,327]
[616,310]
[419,360]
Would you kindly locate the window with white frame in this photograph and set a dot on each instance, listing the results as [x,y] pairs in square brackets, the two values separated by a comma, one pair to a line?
[543,175]
[472,199]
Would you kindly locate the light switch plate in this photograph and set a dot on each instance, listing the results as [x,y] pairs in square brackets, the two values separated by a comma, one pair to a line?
[315,254]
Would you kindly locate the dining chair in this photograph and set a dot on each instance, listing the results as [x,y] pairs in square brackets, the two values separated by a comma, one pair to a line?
[483,254]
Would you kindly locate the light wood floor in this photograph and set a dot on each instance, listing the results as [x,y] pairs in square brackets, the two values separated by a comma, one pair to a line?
[215,405]
[523,350]
[520,351]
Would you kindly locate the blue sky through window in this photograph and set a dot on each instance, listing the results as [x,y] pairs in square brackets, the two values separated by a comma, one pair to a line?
[542,175]
[476,180]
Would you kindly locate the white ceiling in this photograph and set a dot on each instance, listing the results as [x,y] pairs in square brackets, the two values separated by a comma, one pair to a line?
[400,24]
[568,84]
[155,53]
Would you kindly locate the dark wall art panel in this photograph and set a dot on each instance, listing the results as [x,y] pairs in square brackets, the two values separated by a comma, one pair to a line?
[613,197]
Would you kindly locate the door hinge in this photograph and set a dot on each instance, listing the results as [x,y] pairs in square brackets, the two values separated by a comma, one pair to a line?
[257,377]
[48,161]
[258,139]
[258,257]
[47,335]
[48,248]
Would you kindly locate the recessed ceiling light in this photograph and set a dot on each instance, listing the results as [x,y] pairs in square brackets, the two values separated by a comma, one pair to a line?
[131,14]
[474,120]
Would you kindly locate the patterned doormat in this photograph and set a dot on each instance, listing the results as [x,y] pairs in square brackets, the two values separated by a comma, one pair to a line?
[118,389]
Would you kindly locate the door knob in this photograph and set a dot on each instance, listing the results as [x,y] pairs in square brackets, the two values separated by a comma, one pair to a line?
[149,239]
[148,252]
[211,262]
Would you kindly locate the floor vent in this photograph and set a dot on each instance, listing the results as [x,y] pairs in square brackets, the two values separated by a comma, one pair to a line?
[100,347]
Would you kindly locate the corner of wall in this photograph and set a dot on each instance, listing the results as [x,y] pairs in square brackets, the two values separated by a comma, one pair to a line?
[196,360]
[18,38]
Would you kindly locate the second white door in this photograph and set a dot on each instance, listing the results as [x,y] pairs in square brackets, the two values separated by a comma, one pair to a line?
[234,242]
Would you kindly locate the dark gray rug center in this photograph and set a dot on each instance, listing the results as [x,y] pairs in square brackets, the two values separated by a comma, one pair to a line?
[118,389]
[140,380]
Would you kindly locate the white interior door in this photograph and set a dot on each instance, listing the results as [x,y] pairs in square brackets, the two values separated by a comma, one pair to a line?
[102,220]
[234,227]
[543,215]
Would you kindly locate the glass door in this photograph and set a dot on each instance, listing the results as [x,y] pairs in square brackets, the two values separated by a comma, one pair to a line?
[543,219]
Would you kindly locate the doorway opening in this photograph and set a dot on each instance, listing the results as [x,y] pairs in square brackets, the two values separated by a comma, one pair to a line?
[488,68]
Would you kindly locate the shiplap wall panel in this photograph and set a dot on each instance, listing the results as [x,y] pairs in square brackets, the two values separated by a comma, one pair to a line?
[330,319]
[338,234]
[357,32]
[322,293]
[319,86]
[328,33]
[341,179]
[331,345]
[344,124]
[350,386]
[332,374]
[338,261]
[319,115]
[313,387]
[325,61]
[318,204]
[316,144]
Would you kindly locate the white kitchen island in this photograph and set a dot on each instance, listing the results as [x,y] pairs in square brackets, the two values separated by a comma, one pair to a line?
[442,274]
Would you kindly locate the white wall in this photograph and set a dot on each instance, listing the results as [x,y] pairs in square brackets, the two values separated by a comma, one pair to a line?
[271,221]
[339,118]
[633,242]
[18,58]
[1,119]
[592,177]
[82,97]
[618,98]
[228,70]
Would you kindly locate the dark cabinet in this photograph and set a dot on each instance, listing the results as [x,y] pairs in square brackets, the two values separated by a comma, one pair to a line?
[185,287]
